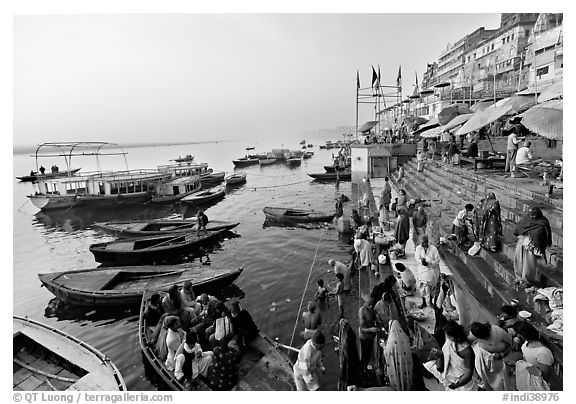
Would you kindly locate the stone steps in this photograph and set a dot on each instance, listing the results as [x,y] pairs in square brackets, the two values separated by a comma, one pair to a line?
[458,195]
[501,262]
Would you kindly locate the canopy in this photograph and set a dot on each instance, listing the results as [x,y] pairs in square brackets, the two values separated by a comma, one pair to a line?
[480,106]
[459,120]
[555,90]
[440,85]
[451,111]
[367,126]
[418,120]
[433,132]
[545,119]
[432,123]
[426,92]
[508,106]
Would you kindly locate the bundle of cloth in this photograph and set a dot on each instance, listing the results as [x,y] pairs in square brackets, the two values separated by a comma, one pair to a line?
[555,298]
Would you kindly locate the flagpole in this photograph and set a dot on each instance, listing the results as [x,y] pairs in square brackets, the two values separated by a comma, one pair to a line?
[357,90]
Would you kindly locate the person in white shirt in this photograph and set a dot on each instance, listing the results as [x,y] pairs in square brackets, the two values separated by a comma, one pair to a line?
[460,226]
[421,159]
[428,260]
[190,360]
[309,364]
[344,270]
[511,150]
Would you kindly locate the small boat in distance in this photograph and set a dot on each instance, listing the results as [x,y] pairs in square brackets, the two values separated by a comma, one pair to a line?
[262,366]
[45,358]
[336,175]
[267,162]
[235,179]
[303,142]
[184,159]
[34,175]
[310,145]
[205,196]
[290,215]
[158,227]
[124,286]
[293,162]
[245,161]
[250,148]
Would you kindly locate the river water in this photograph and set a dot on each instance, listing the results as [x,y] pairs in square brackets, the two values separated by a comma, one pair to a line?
[276,260]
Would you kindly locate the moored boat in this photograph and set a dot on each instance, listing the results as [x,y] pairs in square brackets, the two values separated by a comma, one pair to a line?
[262,366]
[45,358]
[310,145]
[307,155]
[143,228]
[205,196]
[293,162]
[340,175]
[266,162]
[245,161]
[184,159]
[250,148]
[35,175]
[235,179]
[290,215]
[332,168]
[175,189]
[212,178]
[151,249]
[124,286]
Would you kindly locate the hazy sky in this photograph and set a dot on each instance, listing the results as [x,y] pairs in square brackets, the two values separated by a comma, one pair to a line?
[162,77]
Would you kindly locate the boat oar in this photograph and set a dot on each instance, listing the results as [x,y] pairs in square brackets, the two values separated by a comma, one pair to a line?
[43,373]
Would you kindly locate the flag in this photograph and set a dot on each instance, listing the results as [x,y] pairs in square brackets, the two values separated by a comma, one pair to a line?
[416,89]
[399,79]
[374,77]
[357,80]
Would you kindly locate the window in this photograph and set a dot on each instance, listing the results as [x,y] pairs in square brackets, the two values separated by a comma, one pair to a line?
[527,33]
[503,41]
[492,46]
[512,36]
[542,71]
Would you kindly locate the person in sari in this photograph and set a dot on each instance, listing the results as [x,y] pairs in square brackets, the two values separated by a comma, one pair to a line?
[398,356]
[174,338]
[457,360]
[402,231]
[491,346]
[348,355]
[534,235]
[402,200]
[488,223]
[385,199]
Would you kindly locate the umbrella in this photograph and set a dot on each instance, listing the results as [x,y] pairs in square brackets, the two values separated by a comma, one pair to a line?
[426,92]
[459,120]
[507,106]
[367,126]
[433,132]
[555,90]
[440,85]
[480,106]
[406,100]
[545,119]
[452,111]
[432,123]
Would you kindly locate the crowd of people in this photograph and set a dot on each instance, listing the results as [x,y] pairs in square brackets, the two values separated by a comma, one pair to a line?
[199,336]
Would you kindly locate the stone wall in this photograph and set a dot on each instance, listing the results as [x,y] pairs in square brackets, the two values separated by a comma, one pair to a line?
[539,147]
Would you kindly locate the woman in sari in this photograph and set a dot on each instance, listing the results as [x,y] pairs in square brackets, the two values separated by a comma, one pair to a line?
[487,223]
[402,231]
[349,359]
[534,235]
[398,355]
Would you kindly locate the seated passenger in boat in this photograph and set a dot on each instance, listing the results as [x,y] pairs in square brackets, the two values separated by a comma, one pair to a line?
[189,299]
[172,305]
[222,374]
[205,319]
[174,338]
[154,310]
[220,332]
[191,361]
[311,320]
[244,327]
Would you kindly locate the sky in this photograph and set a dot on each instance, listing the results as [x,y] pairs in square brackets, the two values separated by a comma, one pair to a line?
[129,78]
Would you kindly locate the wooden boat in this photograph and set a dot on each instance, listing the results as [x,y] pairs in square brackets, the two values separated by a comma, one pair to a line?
[262,366]
[177,188]
[235,179]
[342,175]
[151,249]
[206,196]
[184,159]
[332,168]
[143,228]
[310,145]
[124,286]
[322,146]
[293,162]
[266,162]
[213,177]
[186,169]
[45,358]
[245,161]
[289,215]
[307,155]
[250,148]
[303,142]
[36,175]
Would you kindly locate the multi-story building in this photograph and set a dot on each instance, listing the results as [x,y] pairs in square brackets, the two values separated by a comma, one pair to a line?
[544,60]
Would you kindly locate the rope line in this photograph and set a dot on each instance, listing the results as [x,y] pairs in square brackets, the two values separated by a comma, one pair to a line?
[306,288]
[278,186]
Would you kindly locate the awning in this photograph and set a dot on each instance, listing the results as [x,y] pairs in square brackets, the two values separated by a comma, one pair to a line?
[426,92]
[545,119]
[452,111]
[459,120]
[440,85]
[554,90]
[508,106]
[432,123]
[481,106]
[434,132]
[367,126]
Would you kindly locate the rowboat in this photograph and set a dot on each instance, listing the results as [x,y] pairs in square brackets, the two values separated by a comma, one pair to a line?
[184,159]
[342,175]
[208,195]
[289,215]
[266,162]
[262,366]
[310,145]
[245,161]
[151,249]
[250,148]
[123,286]
[45,358]
[213,177]
[140,228]
[236,178]
[293,162]
[36,175]
[332,169]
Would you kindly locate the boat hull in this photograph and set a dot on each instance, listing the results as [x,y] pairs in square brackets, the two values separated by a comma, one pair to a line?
[332,169]
[43,347]
[245,163]
[294,162]
[47,176]
[111,201]
[287,215]
[143,228]
[344,175]
[267,162]
[49,202]
[157,277]
[200,199]
[236,179]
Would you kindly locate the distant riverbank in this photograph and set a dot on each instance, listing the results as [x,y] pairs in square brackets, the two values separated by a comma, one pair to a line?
[32,149]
